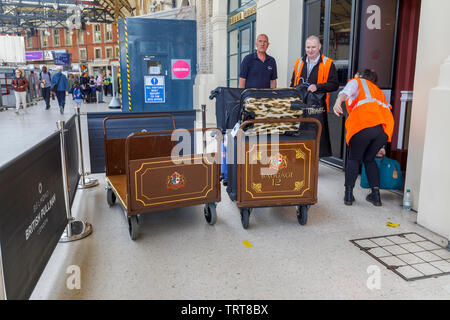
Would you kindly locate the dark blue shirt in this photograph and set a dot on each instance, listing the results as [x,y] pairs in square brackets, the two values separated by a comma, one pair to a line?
[257,73]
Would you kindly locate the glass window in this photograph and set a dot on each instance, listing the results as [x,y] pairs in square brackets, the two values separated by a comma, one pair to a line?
[80,36]
[233,5]
[29,41]
[108,32]
[234,41]
[315,12]
[68,37]
[97,33]
[97,53]
[44,38]
[339,43]
[234,67]
[117,52]
[245,42]
[83,54]
[56,37]
[109,52]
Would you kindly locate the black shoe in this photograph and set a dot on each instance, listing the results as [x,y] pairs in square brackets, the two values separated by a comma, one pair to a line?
[61,110]
[46,108]
[374,197]
[349,198]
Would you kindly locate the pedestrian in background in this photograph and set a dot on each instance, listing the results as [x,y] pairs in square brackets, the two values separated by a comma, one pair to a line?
[70,80]
[77,93]
[61,85]
[20,84]
[45,80]
[369,126]
[99,82]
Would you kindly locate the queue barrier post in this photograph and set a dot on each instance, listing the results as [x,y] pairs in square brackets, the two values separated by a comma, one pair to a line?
[85,182]
[75,229]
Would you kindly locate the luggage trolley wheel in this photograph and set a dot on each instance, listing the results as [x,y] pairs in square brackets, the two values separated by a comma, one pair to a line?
[302,214]
[133,226]
[110,197]
[210,213]
[245,217]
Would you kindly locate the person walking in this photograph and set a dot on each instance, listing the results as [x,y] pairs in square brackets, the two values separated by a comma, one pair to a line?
[106,81]
[258,69]
[60,83]
[20,84]
[369,126]
[70,80]
[99,82]
[45,80]
[77,93]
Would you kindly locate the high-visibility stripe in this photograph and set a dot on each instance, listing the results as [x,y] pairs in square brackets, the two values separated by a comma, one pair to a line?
[298,70]
[369,98]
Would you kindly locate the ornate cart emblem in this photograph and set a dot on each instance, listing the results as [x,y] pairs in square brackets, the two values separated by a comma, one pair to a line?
[278,162]
[175,181]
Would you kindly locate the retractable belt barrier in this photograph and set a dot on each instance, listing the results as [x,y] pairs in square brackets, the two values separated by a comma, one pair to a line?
[37,190]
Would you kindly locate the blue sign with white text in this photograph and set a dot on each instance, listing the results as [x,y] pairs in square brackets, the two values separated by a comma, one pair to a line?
[155,89]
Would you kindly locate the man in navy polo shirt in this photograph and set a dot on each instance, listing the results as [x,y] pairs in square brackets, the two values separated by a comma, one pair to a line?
[258,70]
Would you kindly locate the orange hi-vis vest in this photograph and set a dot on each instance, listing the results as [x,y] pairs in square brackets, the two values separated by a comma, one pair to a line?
[368,110]
[322,77]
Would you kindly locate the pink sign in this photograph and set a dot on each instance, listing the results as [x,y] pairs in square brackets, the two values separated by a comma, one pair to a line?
[181,69]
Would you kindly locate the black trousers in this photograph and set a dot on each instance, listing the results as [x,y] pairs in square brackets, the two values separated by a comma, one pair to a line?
[46,96]
[363,147]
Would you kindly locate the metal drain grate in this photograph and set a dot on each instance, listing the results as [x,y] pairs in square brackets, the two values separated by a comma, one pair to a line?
[409,255]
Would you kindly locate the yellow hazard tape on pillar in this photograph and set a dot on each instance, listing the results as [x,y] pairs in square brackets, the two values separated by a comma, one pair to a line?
[128,66]
[118,72]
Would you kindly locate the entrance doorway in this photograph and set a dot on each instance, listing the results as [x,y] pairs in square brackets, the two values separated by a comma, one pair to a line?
[355,34]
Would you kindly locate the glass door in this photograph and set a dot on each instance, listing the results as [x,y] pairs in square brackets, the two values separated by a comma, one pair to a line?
[332,22]
[240,43]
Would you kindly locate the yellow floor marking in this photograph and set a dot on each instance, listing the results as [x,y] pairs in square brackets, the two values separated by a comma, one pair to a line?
[247,243]
[392,225]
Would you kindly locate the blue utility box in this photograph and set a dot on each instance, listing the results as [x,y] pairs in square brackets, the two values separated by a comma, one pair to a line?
[158,62]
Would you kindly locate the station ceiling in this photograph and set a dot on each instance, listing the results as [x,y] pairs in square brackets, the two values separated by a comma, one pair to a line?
[29,15]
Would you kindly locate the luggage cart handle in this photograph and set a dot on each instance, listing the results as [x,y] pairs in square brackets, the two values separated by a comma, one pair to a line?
[285,120]
[167,132]
[137,116]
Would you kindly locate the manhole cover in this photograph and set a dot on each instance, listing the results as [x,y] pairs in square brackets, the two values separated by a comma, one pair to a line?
[409,255]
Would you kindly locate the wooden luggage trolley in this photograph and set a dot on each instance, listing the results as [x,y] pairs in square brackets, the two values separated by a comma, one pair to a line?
[286,178]
[141,173]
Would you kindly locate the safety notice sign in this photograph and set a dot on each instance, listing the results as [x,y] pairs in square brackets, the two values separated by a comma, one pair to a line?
[155,89]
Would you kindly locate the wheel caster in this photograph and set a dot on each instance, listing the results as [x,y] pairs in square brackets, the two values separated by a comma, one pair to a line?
[133,227]
[302,214]
[110,197]
[245,217]
[210,213]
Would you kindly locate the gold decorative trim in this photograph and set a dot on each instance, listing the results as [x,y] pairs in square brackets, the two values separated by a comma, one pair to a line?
[306,168]
[257,187]
[209,166]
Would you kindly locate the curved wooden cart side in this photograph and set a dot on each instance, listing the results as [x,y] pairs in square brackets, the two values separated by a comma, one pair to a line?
[245,206]
[116,177]
[121,141]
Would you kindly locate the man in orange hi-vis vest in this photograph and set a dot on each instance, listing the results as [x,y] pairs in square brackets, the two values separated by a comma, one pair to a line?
[319,73]
[316,69]
[369,126]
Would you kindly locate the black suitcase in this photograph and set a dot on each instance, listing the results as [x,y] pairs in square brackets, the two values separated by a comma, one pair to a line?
[227,106]
[315,107]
